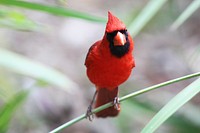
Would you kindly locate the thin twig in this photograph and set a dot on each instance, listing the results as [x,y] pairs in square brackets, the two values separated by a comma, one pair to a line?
[73,121]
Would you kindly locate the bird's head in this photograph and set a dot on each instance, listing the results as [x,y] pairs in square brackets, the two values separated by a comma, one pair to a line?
[117,36]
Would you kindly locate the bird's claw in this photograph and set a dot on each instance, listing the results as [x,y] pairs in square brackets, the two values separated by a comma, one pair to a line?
[89,114]
[116,103]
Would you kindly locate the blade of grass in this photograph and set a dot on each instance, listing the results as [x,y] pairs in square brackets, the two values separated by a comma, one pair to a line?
[75,120]
[186,14]
[6,87]
[145,16]
[172,106]
[7,111]
[25,66]
[52,9]
[16,20]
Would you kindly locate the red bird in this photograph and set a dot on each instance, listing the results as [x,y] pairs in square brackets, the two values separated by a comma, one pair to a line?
[109,63]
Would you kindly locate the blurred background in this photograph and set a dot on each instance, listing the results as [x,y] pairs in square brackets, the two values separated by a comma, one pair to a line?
[43,83]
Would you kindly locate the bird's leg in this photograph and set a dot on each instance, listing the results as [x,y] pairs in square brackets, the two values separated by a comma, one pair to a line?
[116,103]
[89,113]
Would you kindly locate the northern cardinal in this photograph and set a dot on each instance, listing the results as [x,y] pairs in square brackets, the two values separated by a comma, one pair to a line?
[109,63]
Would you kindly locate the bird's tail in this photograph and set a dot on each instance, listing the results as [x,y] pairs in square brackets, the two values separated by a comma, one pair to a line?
[104,96]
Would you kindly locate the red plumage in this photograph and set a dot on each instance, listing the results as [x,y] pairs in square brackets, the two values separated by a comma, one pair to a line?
[109,63]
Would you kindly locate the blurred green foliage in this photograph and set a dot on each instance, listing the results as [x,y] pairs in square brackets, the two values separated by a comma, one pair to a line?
[8,109]
[24,66]
[53,10]
[15,19]
[172,106]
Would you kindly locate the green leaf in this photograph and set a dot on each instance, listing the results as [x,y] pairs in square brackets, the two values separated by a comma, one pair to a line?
[25,66]
[186,14]
[52,9]
[172,106]
[6,86]
[17,20]
[7,111]
[77,119]
[145,16]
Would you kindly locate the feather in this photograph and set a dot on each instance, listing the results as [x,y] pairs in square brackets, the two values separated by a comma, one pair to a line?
[104,96]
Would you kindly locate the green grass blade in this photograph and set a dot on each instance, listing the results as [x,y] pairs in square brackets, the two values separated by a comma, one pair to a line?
[25,66]
[7,88]
[52,9]
[75,120]
[7,111]
[16,20]
[172,106]
[186,14]
[145,16]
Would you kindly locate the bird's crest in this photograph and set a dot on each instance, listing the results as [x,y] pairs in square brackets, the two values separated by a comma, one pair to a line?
[114,23]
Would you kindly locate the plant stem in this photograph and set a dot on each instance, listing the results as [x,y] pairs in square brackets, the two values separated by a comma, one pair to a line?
[159,86]
[73,121]
[149,11]
[52,9]
[185,15]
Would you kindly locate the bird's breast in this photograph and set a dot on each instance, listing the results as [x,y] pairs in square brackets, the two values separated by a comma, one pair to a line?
[109,71]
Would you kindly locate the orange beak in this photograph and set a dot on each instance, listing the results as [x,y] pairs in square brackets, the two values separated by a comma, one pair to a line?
[119,39]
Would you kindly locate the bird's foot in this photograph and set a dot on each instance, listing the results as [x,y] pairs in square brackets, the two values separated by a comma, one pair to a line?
[116,103]
[89,114]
